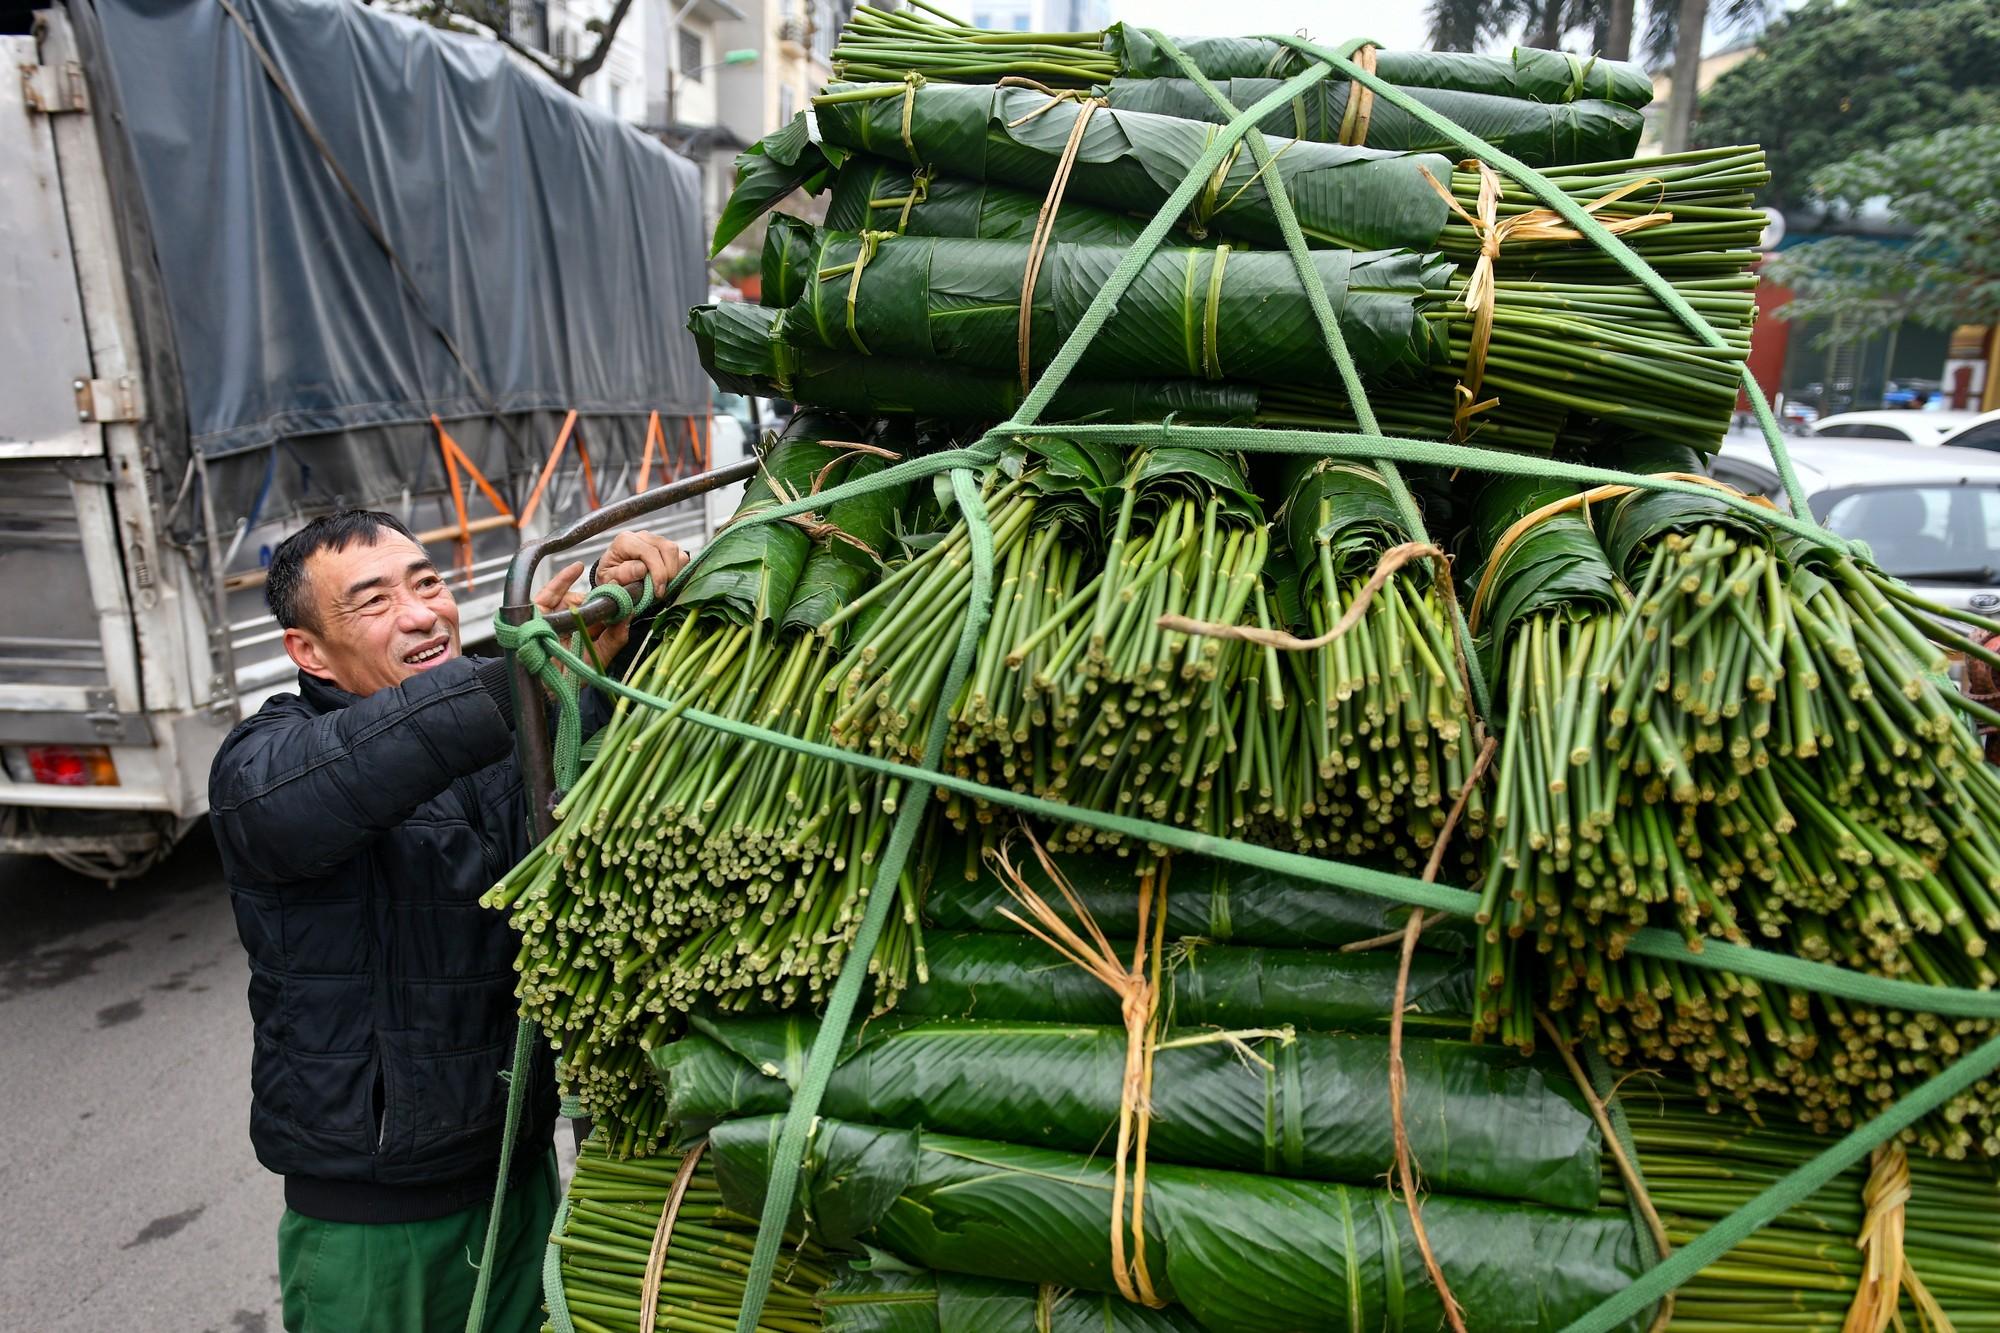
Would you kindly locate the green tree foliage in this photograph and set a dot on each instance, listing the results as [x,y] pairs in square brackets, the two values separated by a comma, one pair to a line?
[1835,79]
[1945,187]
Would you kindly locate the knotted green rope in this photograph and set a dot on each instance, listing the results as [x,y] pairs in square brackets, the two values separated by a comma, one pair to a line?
[529,643]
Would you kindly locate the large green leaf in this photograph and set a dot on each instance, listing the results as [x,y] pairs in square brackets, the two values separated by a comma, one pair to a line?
[841,568]
[1538,76]
[784,160]
[738,349]
[1542,134]
[981,974]
[1630,525]
[1344,506]
[1243,1253]
[749,571]
[1160,476]
[1483,1120]
[1207,899]
[869,194]
[1556,565]
[1354,198]
[1200,312]
[887,1297]
[786,265]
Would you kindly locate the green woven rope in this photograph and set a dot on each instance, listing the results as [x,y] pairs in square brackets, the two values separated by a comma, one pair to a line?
[553,1294]
[529,641]
[517,1082]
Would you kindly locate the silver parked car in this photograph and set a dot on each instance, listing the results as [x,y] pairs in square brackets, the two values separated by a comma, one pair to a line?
[1930,513]
[1968,430]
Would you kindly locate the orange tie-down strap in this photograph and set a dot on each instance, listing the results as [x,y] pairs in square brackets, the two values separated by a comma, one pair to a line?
[455,459]
[549,469]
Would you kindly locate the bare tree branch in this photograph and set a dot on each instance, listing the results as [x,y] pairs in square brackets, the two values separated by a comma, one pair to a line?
[607,32]
[491,18]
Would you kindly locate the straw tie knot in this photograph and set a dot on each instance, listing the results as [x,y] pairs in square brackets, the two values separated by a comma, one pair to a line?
[1138,991]
[1481,295]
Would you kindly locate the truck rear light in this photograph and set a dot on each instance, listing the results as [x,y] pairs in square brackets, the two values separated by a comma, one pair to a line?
[62,765]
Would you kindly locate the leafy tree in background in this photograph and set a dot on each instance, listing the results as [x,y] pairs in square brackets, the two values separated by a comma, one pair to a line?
[1467,25]
[1674,32]
[1833,80]
[1945,187]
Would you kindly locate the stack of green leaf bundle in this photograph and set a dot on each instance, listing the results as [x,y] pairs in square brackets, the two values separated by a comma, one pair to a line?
[1801,1272]
[974,1145]
[950,289]
[1541,106]
[1195,315]
[1732,736]
[740,348]
[607,1238]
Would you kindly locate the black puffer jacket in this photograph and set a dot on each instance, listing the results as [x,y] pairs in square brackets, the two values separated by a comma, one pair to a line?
[356,836]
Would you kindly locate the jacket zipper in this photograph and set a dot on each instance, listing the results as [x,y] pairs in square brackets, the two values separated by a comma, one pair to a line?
[468,792]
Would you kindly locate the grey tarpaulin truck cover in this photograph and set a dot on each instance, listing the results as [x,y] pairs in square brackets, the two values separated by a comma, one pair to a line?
[256,246]
[552,245]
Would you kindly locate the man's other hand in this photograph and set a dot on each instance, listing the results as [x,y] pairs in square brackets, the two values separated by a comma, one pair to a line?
[635,554]
[561,594]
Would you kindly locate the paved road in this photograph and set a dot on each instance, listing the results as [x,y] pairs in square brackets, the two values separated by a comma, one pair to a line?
[132,1199]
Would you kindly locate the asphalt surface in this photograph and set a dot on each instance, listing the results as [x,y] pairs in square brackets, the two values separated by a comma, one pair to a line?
[133,1200]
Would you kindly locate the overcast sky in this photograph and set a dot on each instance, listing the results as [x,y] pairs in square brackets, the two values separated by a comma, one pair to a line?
[1393,23]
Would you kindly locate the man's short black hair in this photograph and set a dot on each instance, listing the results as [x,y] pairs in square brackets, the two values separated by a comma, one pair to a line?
[285,589]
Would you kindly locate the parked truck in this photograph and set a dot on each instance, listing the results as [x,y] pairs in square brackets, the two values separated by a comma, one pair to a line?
[268,258]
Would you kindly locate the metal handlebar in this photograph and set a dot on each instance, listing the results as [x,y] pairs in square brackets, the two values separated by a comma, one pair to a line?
[533,750]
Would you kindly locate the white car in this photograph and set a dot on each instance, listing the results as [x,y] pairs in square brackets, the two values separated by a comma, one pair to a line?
[1905,427]
[1982,432]
[1931,515]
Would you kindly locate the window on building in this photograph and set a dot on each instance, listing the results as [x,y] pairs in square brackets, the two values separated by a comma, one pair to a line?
[691,61]
[616,105]
[1020,23]
[787,103]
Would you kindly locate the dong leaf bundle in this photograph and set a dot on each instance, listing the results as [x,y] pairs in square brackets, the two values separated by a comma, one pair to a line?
[871,193]
[1525,72]
[1217,901]
[1242,1253]
[752,569]
[1196,313]
[740,350]
[840,568]
[991,974]
[1542,134]
[1484,1121]
[1353,198]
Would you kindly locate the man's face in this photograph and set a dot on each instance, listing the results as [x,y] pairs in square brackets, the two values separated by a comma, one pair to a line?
[382,615]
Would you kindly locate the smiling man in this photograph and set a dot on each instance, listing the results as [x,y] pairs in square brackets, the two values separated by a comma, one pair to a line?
[359,820]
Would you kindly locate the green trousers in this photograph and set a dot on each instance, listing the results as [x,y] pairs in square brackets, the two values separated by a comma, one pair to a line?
[417,1277]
